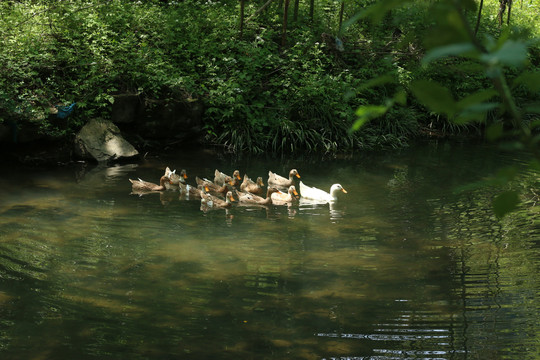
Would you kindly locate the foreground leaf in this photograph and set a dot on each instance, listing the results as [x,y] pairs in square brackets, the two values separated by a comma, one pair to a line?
[434,96]
[449,50]
[505,202]
[512,53]
[366,113]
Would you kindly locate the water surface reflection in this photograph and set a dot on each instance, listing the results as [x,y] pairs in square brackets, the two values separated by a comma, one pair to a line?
[402,267]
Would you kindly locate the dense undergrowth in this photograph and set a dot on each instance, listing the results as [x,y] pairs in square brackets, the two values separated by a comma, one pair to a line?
[260,94]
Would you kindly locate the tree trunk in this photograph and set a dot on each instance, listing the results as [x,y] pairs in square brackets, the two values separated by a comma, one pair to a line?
[284,30]
[509,12]
[502,9]
[341,16]
[296,4]
[479,16]
[242,5]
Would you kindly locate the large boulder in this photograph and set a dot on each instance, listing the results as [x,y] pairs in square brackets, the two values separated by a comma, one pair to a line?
[101,140]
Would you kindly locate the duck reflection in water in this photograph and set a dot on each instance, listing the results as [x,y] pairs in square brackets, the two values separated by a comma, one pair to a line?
[336,211]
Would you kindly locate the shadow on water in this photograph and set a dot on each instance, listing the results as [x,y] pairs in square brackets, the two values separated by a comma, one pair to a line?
[401,267]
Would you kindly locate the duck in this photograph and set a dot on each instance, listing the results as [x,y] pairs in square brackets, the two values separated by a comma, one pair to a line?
[220,190]
[188,192]
[141,185]
[278,180]
[220,178]
[176,179]
[314,193]
[288,197]
[254,187]
[211,201]
[252,199]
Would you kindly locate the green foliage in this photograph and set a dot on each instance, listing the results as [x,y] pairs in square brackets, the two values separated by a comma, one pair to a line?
[493,101]
[260,95]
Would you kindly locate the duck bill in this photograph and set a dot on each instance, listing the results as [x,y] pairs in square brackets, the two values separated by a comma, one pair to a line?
[296,194]
[298,176]
[184,175]
[345,191]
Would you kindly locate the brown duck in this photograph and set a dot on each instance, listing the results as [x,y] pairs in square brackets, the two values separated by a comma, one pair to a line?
[220,190]
[141,185]
[220,178]
[288,197]
[280,181]
[254,187]
[215,202]
[175,179]
[252,199]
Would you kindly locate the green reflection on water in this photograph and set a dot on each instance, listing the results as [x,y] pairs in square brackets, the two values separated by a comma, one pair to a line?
[401,267]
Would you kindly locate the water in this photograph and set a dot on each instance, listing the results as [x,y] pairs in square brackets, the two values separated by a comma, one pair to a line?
[402,267]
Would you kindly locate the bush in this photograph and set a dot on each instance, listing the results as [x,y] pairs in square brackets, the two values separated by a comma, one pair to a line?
[259,95]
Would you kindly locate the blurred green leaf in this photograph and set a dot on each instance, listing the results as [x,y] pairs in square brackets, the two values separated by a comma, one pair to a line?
[535,165]
[474,107]
[512,146]
[377,81]
[477,98]
[366,113]
[533,108]
[448,26]
[511,53]
[434,96]
[531,80]
[376,12]
[535,124]
[494,131]
[448,50]
[506,174]
[400,97]
[474,113]
[505,202]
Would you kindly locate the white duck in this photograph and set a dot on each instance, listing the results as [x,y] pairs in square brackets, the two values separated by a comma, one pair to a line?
[317,194]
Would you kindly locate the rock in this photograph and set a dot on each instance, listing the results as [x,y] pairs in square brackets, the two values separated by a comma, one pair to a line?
[101,140]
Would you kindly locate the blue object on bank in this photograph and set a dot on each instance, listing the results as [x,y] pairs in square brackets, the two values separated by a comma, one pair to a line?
[339,44]
[64,111]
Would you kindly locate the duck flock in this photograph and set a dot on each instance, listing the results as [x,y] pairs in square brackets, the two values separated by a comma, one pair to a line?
[225,190]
